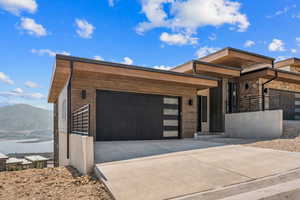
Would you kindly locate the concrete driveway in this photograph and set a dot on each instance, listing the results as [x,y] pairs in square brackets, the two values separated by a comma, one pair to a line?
[176,168]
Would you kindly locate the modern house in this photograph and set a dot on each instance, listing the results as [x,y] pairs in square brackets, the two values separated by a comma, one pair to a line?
[103,101]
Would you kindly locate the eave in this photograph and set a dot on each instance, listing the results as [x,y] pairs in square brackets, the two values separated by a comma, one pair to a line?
[268,73]
[237,58]
[89,68]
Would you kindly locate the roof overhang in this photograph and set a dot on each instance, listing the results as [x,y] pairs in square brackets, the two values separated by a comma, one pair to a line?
[288,62]
[268,73]
[237,58]
[60,76]
[89,68]
[209,69]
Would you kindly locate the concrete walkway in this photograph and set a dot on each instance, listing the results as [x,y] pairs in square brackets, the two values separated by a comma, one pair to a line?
[179,173]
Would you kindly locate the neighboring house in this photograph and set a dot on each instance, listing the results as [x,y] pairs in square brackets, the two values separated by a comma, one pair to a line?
[111,101]
[3,159]
[37,161]
[13,164]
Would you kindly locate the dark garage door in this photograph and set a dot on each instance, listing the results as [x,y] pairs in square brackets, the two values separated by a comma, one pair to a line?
[129,116]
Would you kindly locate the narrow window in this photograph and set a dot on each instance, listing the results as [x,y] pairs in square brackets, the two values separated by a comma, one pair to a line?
[204,108]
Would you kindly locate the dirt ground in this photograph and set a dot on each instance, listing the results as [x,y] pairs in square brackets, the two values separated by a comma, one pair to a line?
[284,144]
[50,183]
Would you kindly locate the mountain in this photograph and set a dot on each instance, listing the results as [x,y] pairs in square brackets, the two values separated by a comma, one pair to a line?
[23,117]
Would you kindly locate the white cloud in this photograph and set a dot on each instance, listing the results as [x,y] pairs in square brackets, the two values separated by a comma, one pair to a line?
[190,15]
[127,61]
[162,67]
[31,84]
[19,93]
[294,51]
[48,52]
[32,28]
[84,29]
[282,11]
[276,45]
[111,3]
[204,51]
[177,39]
[4,78]
[249,43]
[298,41]
[98,58]
[279,58]
[17,6]
[212,37]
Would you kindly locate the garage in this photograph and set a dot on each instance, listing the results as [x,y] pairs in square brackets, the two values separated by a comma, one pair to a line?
[135,116]
[288,101]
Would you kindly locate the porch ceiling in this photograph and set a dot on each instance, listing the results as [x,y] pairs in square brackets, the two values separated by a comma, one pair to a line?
[216,70]
[236,58]
[209,69]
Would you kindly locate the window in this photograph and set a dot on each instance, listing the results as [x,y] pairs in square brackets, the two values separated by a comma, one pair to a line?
[204,108]
[64,110]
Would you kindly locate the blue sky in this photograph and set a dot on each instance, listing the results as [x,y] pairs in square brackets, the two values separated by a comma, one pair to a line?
[152,33]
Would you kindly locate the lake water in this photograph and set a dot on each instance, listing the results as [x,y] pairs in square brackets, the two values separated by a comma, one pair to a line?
[25,146]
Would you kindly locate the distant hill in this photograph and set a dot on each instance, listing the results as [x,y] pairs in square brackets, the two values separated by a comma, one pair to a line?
[21,117]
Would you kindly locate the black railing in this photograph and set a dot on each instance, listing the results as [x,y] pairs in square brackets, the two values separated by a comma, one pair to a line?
[81,120]
[257,103]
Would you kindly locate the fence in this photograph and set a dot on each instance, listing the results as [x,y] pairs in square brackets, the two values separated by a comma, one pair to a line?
[258,103]
[81,120]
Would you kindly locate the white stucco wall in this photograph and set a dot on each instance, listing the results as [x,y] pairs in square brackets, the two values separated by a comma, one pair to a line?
[82,153]
[62,127]
[262,124]
[62,154]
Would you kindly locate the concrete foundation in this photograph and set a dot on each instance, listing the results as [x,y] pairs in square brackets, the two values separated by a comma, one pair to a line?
[82,153]
[262,124]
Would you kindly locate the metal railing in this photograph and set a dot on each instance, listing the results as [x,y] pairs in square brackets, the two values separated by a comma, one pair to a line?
[81,120]
[255,103]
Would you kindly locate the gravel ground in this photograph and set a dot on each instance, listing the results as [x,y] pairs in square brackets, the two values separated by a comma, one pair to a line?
[284,144]
[50,183]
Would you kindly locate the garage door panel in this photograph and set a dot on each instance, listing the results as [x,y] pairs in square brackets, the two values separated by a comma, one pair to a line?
[131,116]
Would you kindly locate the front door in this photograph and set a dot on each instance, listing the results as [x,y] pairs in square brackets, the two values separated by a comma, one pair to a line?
[202,113]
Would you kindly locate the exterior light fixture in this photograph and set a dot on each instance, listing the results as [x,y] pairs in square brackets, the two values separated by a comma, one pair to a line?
[83,94]
[190,102]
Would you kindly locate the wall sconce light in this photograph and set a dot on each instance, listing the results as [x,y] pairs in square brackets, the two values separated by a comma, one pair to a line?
[83,94]
[266,90]
[190,102]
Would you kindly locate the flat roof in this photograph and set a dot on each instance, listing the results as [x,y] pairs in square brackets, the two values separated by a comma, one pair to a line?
[238,50]
[3,156]
[113,64]
[36,158]
[13,161]
[287,62]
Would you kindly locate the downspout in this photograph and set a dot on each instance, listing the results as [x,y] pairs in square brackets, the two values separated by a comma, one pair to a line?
[263,86]
[69,109]
[194,68]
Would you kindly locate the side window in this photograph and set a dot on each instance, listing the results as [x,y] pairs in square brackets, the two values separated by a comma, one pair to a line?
[64,110]
[204,108]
